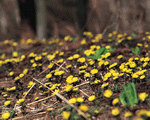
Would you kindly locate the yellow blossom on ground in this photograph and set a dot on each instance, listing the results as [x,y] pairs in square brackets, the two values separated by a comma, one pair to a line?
[94,71]
[66,115]
[31,83]
[83,42]
[105,85]
[73,100]
[48,76]
[68,88]
[83,108]
[5,115]
[80,99]
[14,54]
[87,75]
[96,111]
[108,93]
[82,60]
[25,71]
[115,101]
[49,109]
[76,56]
[142,112]
[20,101]
[56,91]
[36,98]
[142,96]
[128,114]
[6,103]
[107,47]
[115,111]
[75,89]
[91,98]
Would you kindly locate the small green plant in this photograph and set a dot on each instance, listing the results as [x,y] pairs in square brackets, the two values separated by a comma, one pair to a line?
[99,52]
[137,50]
[129,96]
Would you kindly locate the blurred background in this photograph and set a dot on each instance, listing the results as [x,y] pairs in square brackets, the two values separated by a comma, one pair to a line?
[24,19]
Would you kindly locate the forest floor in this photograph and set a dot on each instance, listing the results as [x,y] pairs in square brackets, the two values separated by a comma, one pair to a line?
[95,77]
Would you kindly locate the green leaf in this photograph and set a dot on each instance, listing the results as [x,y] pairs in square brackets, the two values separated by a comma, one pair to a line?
[12,112]
[137,49]
[74,39]
[111,49]
[98,53]
[92,57]
[122,99]
[134,93]
[129,96]
[134,52]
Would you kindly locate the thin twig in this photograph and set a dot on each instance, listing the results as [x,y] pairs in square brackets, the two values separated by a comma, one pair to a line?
[60,66]
[84,93]
[64,99]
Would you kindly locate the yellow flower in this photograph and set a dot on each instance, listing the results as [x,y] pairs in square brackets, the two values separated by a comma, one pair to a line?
[128,114]
[14,54]
[49,109]
[20,101]
[115,101]
[106,63]
[60,61]
[68,88]
[83,67]
[66,115]
[11,73]
[107,47]
[83,108]
[48,76]
[31,83]
[76,56]
[5,115]
[107,75]
[50,65]
[36,98]
[94,71]
[70,58]
[80,99]
[108,93]
[142,96]
[34,65]
[74,79]
[68,66]
[129,38]
[56,91]
[96,111]
[73,100]
[110,35]
[134,75]
[61,43]
[7,103]
[115,111]
[83,42]
[139,44]
[87,75]
[142,77]
[104,85]
[24,93]
[21,75]
[69,79]
[25,71]
[82,60]
[75,89]
[91,98]
[142,112]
